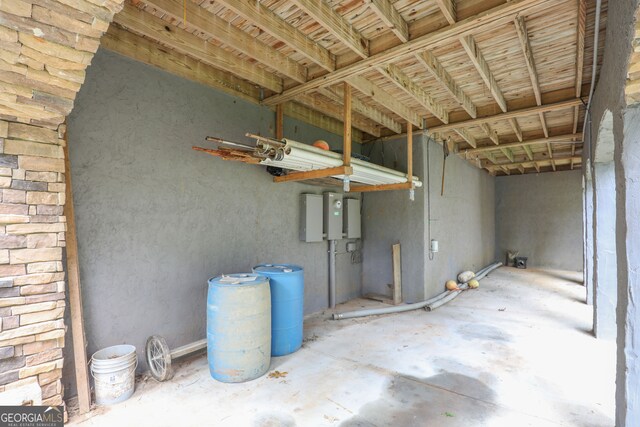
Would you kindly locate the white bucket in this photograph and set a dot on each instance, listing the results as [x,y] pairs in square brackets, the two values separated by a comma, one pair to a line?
[114,370]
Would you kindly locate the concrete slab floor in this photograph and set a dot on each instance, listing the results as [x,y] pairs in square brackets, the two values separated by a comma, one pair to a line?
[516,352]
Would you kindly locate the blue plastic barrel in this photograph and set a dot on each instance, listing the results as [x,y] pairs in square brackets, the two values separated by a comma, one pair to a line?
[238,327]
[287,306]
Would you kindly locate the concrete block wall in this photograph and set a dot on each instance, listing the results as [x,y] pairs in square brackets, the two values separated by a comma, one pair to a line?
[540,216]
[46,47]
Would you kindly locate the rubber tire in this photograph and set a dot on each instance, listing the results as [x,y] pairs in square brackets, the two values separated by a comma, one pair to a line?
[167,373]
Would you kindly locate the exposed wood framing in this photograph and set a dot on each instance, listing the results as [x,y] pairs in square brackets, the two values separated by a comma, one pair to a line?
[528,151]
[385,99]
[331,109]
[562,105]
[523,36]
[363,109]
[467,137]
[346,113]
[75,297]
[437,70]
[484,21]
[521,160]
[218,28]
[322,13]
[580,38]
[507,153]
[383,187]
[313,117]
[474,53]
[409,152]
[182,41]
[563,139]
[314,174]
[418,93]
[391,18]
[448,9]
[272,24]
[492,134]
[279,121]
[516,128]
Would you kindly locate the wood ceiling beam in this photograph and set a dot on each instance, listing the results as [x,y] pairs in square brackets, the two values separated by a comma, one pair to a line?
[391,18]
[448,9]
[467,137]
[523,161]
[405,83]
[525,45]
[315,118]
[182,41]
[484,21]
[516,128]
[436,69]
[220,29]
[360,107]
[580,38]
[523,112]
[507,153]
[385,99]
[275,26]
[492,134]
[564,139]
[528,151]
[475,55]
[334,110]
[336,24]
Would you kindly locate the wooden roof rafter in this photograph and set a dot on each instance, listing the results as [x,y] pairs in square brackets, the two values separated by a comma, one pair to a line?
[391,18]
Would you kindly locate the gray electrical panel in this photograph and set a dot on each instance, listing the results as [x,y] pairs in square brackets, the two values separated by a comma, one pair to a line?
[311,218]
[351,217]
[333,216]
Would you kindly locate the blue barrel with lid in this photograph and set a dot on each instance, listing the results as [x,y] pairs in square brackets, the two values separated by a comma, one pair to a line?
[238,327]
[287,306]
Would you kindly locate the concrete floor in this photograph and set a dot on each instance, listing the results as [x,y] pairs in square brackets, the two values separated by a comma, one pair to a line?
[516,352]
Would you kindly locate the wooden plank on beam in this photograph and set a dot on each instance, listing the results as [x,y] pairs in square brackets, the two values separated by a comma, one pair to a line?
[409,86]
[448,9]
[470,46]
[523,36]
[467,137]
[507,153]
[336,24]
[363,109]
[516,128]
[562,139]
[214,26]
[487,20]
[272,24]
[182,41]
[492,134]
[441,75]
[314,174]
[537,158]
[315,118]
[580,37]
[511,114]
[382,187]
[385,99]
[391,18]
[75,296]
[528,151]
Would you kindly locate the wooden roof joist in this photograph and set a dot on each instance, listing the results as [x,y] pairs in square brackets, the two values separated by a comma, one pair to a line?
[477,59]
[486,164]
[509,115]
[182,41]
[335,24]
[391,18]
[218,28]
[484,21]
[271,23]
[564,139]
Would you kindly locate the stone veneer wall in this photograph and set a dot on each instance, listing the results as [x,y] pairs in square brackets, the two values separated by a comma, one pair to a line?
[45,47]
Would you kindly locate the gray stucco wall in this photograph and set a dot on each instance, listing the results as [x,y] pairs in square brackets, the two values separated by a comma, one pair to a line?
[462,221]
[540,215]
[156,219]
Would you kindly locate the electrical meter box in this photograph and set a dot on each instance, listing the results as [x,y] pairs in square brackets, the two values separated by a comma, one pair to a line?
[351,219]
[311,218]
[333,215]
